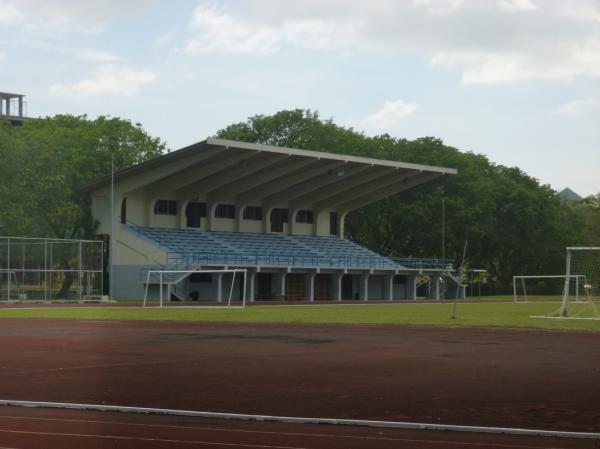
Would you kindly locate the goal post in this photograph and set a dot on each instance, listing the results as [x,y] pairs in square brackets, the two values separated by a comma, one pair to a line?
[583,260]
[170,280]
[547,287]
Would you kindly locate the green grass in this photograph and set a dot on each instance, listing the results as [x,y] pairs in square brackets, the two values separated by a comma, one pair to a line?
[468,314]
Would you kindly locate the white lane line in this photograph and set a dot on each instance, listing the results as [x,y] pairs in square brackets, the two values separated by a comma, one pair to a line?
[304,420]
[288,434]
[156,440]
[265,432]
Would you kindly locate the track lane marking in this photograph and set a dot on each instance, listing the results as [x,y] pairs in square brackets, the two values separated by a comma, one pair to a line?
[156,440]
[267,432]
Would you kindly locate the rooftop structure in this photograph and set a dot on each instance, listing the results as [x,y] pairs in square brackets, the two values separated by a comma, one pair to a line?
[12,107]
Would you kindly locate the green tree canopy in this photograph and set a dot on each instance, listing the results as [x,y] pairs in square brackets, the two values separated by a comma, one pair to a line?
[45,159]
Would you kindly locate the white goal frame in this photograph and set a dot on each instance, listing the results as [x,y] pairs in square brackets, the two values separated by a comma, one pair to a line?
[522,278]
[564,309]
[161,283]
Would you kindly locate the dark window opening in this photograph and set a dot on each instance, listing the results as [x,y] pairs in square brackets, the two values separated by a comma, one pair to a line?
[124,211]
[253,213]
[333,223]
[225,211]
[200,277]
[194,211]
[278,218]
[399,280]
[304,216]
[165,207]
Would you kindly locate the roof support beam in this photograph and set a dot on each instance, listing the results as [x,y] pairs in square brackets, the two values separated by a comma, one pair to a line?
[313,184]
[379,194]
[182,178]
[371,184]
[316,169]
[158,174]
[216,173]
[279,168]
[357,177]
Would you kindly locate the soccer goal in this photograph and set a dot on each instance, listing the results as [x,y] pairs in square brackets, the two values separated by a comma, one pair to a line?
[535,288]
[584,261]
[171,283]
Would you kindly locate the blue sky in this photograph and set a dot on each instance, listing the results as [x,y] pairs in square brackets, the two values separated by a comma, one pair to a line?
[516,80]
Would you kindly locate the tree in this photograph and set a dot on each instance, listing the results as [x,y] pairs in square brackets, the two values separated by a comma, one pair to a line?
[44,161]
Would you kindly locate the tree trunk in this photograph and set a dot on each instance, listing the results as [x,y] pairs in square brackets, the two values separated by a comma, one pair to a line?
[63,293]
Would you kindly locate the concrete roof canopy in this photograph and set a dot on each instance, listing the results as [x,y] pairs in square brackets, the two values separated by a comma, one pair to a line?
[272,175]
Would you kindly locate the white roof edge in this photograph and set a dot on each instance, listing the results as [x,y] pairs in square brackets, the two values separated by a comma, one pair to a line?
[325,155]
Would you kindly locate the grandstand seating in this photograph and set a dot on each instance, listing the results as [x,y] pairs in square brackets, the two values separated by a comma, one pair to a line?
[189,246]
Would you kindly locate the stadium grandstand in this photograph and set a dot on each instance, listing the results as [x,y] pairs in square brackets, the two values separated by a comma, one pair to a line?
[276,212]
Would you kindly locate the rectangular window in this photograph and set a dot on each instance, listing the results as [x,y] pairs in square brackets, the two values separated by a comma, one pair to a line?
[304,216]
[278,218]
[333,223]
[193,212]
[165,207]
[253,213]
[225,211]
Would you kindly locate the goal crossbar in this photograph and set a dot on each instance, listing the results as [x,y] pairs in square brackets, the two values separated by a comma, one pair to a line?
[162,281]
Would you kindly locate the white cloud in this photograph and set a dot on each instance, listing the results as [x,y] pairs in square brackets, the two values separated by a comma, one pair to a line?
[107,80]
[96,55]
[579,107]
[221,32]
[497,41]
[8,13]
[392,113]
[214,30]
[63,16]
[517,5]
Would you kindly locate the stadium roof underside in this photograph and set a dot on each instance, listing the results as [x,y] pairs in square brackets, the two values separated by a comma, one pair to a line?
[272,175]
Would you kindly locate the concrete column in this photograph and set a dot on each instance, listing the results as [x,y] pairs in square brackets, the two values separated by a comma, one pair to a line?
[388,287]
[411,287]
[363,287]
[310,286]
[337,286]
[250,281]
[210,215]
[280,285]
[434,287]
[219,281]
[20,106]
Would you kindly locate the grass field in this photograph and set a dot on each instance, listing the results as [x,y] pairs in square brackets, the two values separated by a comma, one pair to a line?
[468,314]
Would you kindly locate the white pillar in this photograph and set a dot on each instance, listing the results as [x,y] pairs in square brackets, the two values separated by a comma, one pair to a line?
[251,276]
[411,287]
[363,287]
[434,287]
[280,285]
[219,281]
[388,287]
[337,286]
[310,285]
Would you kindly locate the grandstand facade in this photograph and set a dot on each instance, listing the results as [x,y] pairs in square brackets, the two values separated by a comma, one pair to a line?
[277,212]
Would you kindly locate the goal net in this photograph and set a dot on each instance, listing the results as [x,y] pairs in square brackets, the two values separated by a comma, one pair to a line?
[223,287]
[581,287]
[585,261]
[546,288]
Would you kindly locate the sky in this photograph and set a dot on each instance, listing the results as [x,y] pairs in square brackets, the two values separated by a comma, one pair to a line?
[515,80]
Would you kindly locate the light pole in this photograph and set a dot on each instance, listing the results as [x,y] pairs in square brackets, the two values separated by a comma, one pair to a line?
[111,245]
